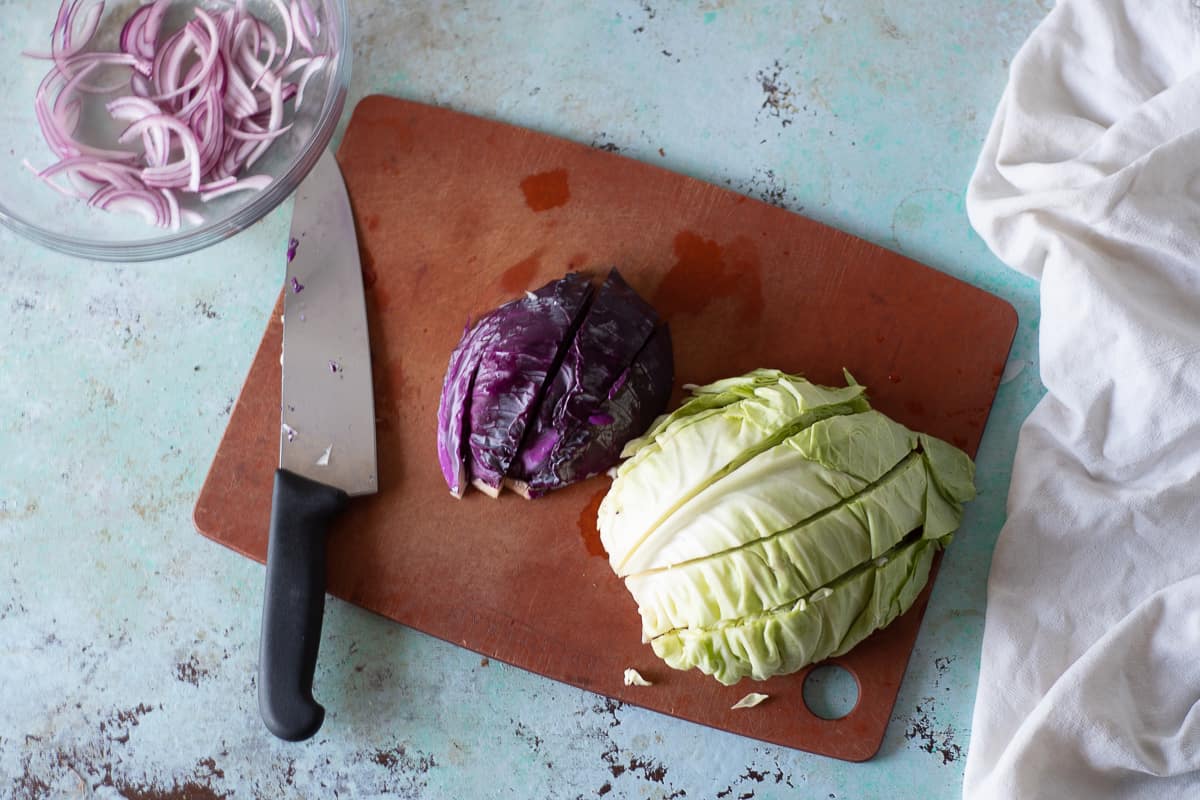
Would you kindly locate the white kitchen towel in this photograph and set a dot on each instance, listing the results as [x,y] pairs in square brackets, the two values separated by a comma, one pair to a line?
[1090,181]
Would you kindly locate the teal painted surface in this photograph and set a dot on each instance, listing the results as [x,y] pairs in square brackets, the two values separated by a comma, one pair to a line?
[129,642]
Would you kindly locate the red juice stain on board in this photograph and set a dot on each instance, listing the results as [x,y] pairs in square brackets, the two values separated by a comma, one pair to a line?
[370,276]
[705,271]
[546,190]
[373,222]
[587,525]
[517,277]
[894,378]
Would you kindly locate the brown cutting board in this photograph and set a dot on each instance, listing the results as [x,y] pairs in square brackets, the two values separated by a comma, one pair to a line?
[457,214]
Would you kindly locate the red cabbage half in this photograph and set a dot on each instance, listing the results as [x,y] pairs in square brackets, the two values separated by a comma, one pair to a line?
[547,389]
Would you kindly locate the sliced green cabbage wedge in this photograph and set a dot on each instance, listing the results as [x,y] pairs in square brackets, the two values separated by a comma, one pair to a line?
[699,445]
[769,523]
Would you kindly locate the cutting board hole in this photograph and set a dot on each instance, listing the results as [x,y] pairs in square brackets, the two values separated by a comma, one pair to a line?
[830,691]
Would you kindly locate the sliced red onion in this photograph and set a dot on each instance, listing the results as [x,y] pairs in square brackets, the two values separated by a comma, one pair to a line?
[205,102]
[299,28]
[240,101]
[139,85]
[140,33]
[271,40]
[97,171]
[275,120]
[172,208]
[61,190]
[289,40]
[255,183]
[69,117]
[258,136]
[245,53]
[310,18]
[217,184]
[208,123]
[132,109]
[64,40]
[294,67]
[150,205]
[168,175]
[314,66]
[168,60]
[197,38]
[57,123]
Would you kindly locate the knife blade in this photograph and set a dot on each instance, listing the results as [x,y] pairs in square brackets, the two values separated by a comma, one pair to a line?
[326,442]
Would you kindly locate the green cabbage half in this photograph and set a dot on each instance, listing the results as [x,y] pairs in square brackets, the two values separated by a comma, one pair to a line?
[770,523]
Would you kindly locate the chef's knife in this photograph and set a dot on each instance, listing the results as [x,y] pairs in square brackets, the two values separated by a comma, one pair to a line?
[326,442]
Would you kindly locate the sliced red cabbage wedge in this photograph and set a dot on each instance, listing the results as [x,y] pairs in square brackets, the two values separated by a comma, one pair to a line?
[512,370]
[633,405]
[590,407]
[456,398]
[493,345]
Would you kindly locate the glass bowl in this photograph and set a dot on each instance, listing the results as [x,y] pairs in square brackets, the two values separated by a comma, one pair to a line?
[68,224]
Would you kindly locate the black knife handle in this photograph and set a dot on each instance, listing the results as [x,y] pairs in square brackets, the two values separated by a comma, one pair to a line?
[302,511]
